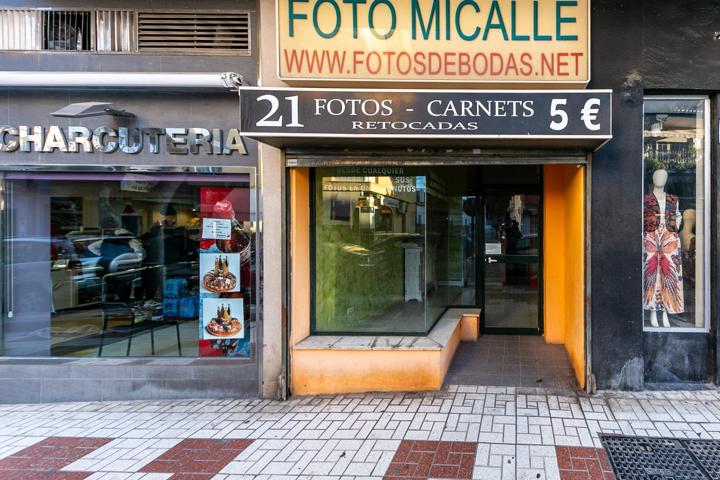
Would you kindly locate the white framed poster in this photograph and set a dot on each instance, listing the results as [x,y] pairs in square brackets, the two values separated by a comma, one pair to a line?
[219,272]
[223,318]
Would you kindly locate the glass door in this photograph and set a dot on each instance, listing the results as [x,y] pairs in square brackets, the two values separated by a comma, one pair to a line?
[512,261]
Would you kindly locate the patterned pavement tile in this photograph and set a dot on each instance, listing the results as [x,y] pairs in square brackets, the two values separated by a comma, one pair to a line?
[583,463]
[430,459]
[197,459]
[45,459]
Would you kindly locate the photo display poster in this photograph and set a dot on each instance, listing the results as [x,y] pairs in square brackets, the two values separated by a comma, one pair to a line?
[225,273]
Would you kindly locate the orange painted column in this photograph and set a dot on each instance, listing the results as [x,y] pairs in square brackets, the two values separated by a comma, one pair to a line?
[299,185]
[564,261]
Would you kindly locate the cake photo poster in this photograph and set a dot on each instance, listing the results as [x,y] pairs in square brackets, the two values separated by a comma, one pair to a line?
[225,252]
[222,318]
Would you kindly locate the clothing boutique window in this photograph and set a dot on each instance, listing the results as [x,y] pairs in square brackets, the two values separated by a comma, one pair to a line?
[392,248]
[675,213]
[128,265]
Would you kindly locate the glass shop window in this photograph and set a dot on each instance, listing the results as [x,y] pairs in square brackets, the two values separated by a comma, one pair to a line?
[676,214]
[136,265]
[389,249]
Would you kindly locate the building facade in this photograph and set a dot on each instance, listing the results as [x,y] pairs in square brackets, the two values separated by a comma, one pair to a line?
[131,204]
[409,236]
[401,184]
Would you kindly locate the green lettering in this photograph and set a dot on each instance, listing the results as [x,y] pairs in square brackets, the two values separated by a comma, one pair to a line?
[292,16]
[371,19]
[458,26]
[417,16]
[536,21]
[354,15]
[513,23]
[559,19]
[500,25]
[338,18]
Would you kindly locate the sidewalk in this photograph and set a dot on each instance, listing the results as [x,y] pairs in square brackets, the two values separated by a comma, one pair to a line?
[464,432]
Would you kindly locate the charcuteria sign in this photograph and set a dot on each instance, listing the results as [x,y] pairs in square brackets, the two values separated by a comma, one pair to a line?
[468,41]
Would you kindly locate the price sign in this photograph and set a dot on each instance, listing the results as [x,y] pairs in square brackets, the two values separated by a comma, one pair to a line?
[345,113]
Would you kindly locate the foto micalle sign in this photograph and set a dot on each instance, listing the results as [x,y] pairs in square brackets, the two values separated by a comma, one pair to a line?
[434,114]
[472,41]
[74,139]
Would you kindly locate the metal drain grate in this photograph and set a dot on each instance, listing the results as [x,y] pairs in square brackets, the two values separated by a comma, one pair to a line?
[707,454]
[646,458]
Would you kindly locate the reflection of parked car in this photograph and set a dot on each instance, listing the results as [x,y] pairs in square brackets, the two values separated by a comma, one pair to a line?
[72,268]
[89,259]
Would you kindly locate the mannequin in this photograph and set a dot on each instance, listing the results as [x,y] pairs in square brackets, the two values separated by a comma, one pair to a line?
[687,233]
[687,239]
[662,260]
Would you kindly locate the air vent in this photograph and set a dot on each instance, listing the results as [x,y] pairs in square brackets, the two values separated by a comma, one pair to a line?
[67,30]
[20,29]
[115,31]
[190,32]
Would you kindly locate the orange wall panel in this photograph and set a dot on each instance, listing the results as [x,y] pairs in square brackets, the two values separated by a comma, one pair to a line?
[564,261]
[299,254]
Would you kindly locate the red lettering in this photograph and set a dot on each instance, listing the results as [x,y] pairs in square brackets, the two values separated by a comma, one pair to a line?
[376,56]
[496,64]
[526,61]
[480,71]
[450,63]
[358,59]
[547,65]
[388,57]
[511,65]
[420,66]
[577,56]
[400,69]
[464,63]
[438,63]
[562,65]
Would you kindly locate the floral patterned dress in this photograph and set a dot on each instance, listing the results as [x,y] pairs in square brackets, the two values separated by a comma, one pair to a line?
[662,258]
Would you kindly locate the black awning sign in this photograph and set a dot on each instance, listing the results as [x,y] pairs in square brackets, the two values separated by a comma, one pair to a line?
[346,113]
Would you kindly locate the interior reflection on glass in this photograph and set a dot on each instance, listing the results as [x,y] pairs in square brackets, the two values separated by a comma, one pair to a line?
[512,224]
[106,266]
[370,243]
[675,213]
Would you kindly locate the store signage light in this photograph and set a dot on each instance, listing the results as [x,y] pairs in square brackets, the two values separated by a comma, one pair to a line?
[74,139]
[344,113]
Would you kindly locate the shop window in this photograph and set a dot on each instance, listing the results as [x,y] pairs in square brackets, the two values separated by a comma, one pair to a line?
[128,265]
[676,214]
[390,248]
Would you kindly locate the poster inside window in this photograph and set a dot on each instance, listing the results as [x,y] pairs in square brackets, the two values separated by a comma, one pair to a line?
[129,265]
[674,233]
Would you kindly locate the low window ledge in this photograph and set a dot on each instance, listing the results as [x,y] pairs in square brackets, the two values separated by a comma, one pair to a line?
[325,364]
[437,339]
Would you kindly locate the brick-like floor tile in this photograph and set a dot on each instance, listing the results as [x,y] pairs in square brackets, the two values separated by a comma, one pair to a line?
[197,458]
[583,463]
[45,459]
[429,459]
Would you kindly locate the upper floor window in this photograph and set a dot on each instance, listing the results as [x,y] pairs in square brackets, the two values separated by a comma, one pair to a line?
[126,31]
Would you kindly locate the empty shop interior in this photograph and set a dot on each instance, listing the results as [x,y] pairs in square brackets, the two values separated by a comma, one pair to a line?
[406,277]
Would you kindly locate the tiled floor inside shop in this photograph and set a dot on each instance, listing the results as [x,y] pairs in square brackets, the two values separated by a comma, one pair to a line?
[512,361]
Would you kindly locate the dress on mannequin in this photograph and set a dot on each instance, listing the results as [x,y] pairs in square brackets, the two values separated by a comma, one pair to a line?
[662,262]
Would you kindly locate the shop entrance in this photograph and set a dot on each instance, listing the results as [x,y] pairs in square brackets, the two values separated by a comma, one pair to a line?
[510,273]
[502,275]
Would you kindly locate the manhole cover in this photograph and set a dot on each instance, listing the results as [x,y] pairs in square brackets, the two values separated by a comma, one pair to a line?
[707,454]
[647,458]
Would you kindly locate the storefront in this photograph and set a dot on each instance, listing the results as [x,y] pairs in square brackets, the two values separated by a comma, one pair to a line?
[131,243]
[427,208]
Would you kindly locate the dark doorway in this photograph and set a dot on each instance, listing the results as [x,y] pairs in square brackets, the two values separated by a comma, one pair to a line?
[511,271]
